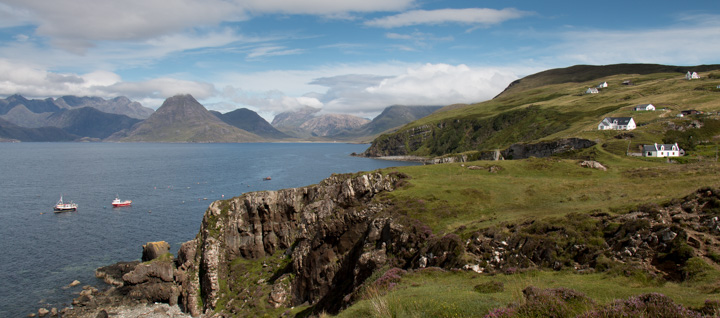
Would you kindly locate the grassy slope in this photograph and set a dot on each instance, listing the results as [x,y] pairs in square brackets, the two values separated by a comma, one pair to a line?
[581,113]
[453,198]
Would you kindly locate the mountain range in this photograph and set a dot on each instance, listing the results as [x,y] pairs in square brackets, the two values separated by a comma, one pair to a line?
[181,118]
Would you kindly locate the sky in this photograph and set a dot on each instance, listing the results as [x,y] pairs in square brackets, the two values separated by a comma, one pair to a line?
[343,56]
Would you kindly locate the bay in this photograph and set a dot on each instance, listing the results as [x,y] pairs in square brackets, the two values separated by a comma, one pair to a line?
[171,186]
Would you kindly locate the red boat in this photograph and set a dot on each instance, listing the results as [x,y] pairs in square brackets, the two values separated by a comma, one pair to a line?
[117,202]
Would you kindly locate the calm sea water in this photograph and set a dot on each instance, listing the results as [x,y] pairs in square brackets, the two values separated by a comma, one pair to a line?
[171,185]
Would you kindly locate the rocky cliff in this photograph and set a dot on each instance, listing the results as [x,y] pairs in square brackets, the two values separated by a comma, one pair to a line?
[317,245]
[266,252]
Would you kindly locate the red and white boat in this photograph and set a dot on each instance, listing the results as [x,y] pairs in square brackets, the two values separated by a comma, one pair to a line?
[117,202]
[61,206]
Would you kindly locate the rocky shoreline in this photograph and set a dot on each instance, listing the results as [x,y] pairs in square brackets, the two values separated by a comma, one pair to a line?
[264,253]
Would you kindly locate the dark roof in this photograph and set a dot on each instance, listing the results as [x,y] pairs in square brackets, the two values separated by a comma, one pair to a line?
[657,147]
[620,120]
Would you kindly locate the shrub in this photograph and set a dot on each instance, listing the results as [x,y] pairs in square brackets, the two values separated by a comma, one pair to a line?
[695,268]
[490,287]
[645,305]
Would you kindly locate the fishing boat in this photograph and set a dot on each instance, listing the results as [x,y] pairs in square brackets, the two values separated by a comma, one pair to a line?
[267,178]
[117,202]
[61,206]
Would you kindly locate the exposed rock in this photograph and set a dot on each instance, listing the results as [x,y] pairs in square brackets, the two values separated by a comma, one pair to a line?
[145,272]
[330,232]
[112,274]
[545,149]
[593,165]
[42,312]
[153,250]
[73,284]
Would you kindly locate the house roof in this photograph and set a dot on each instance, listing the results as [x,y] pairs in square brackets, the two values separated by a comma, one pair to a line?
[620,120]
[644,106]
[657,147]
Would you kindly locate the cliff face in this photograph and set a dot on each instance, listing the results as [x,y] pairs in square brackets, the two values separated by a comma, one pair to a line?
[265,252]
[321,243]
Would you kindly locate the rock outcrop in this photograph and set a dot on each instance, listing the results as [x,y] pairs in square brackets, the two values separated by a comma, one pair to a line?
[264,252]
[153,250]
[318,243]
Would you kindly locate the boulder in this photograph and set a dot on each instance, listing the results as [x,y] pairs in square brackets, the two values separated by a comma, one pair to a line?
[593,165]
[147,271]
[42,312]
[153,250]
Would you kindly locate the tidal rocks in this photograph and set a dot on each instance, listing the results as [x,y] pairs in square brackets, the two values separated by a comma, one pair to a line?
[113,274]
[153,250]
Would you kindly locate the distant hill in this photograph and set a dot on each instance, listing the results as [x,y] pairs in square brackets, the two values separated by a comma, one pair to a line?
[583,73]
[181,118]
[90,122]
[293,119]
[332,124]
[34,105]
[552,104]
[35,113]
[10,131]
[392,117]
[250,121]
[304,123]
[119,105]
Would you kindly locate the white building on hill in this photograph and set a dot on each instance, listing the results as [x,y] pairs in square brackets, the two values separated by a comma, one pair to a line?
[644,107]
[692,76]
[662,150]
[617,123]
[592,90]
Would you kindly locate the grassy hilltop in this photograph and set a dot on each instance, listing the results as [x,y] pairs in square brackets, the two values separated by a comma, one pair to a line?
[530,111]
[593,232]
[572,204]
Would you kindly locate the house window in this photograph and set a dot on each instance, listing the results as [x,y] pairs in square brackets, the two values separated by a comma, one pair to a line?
[649,154]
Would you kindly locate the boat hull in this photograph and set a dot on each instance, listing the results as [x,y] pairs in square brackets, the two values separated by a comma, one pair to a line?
[123,203]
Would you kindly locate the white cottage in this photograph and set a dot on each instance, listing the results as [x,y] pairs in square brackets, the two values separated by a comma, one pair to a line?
[592,90]
[602,85]
[644,107]
[662,150]
[692,76]
[617,123]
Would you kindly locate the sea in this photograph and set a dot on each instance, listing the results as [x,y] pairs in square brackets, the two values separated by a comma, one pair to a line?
[170,185]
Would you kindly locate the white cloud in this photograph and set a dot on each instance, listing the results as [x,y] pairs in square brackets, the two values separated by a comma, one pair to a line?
[273,102]
[463,16]
[35,82]
[265,51]
[690,43]
[441,84]
[325,7]
[75,24]
[365,90]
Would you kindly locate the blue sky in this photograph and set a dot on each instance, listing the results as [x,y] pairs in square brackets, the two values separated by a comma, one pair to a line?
[352,56]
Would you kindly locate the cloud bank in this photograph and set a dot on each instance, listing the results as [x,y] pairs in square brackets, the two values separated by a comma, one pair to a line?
[463,16]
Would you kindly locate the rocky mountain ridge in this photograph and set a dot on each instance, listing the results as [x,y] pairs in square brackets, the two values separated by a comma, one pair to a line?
[181,118]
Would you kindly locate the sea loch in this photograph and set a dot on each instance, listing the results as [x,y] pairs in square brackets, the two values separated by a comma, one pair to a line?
[170,185]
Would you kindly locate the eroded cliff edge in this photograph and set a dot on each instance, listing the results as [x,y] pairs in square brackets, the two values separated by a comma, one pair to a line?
[316,245]
[264,253]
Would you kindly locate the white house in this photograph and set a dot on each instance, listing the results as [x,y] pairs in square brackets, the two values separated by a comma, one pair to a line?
[692,76]
[602,85]
[617,123]
[644,107]
[592,90]
[662,150]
